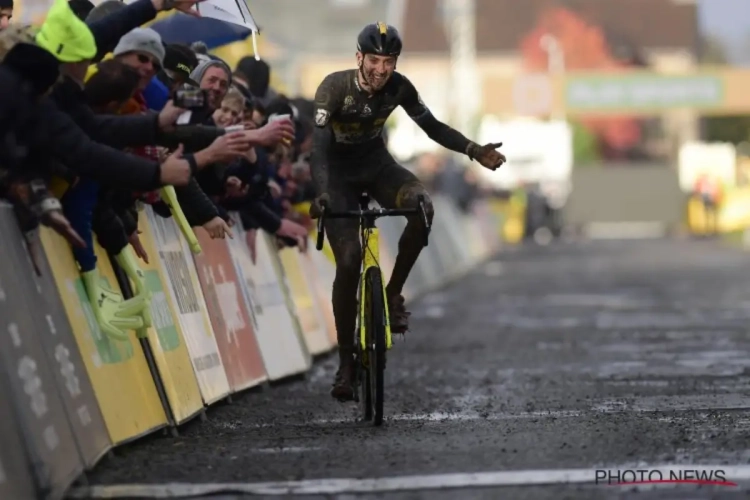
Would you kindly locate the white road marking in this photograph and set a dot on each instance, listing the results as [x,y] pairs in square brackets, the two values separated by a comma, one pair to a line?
[393,484]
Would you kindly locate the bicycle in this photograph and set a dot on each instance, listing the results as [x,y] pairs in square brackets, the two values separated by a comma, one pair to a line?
[373,321]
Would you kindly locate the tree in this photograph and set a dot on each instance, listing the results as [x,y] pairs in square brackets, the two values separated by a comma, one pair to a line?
[584,47]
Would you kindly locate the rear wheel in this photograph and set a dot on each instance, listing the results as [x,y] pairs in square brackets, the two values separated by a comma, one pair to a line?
[375,322]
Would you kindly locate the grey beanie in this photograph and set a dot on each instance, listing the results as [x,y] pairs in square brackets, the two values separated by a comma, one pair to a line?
[143,40]
[206,62]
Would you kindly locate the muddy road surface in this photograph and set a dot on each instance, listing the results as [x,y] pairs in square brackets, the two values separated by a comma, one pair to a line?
[519,381]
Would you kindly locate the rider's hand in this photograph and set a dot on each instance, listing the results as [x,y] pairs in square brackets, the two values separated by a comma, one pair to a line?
[316,207]
[487,155]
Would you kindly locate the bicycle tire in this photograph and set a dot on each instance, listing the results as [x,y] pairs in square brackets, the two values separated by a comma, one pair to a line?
[375,322]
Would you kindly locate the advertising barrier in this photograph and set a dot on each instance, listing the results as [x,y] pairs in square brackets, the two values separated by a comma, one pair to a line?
[310,318]
[224,320]
[166,338]
[229,314]
[118,371]
[28,374]
[283,353]
[16,480]
[321,296]
[65,360]
[325,272]
[283,281]
[184,291]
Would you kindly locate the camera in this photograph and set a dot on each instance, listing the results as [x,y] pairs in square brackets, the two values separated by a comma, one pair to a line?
[190,98]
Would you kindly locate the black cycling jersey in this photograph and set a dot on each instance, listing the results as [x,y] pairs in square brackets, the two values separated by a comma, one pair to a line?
[349,123]
[357,118]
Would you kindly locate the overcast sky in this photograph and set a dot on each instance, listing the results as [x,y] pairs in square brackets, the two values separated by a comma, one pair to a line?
[729,20]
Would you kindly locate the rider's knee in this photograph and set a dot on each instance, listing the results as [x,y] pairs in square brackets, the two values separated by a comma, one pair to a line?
[349,257]
[408,197]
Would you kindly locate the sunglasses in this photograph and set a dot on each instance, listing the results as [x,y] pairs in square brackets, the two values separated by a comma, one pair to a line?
[143,59]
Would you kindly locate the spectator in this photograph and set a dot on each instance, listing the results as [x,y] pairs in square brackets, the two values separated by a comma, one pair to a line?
[179,62]
[6,13]
[258,78]
[231,110]
[81,8]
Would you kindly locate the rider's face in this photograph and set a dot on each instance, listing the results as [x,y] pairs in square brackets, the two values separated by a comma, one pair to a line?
[377,69]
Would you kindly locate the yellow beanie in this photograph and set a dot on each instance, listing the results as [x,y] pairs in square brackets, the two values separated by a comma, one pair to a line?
[65,36]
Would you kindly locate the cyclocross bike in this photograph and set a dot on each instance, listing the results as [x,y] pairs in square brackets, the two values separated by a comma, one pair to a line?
[373,323]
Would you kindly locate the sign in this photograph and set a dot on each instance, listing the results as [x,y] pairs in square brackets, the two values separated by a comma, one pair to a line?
[625,92]
[229,314]
[305,303]
[184,292]
[654,92]
[118,371]
[64,358]
[283,353]
[26,372]
[15,476]
[166,336]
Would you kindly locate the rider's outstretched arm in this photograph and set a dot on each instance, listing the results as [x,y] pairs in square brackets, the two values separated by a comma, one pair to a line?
[446,136]
[325,106]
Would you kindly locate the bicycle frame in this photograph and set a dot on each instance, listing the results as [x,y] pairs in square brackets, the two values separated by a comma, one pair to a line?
[370,238]
[370,242]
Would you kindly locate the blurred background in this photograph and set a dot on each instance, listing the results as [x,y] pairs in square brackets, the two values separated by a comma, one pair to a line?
[619,117]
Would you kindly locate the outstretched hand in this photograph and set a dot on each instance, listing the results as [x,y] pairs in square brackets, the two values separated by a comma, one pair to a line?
[489,157]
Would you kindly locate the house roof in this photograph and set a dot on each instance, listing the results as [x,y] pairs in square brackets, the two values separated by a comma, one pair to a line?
[502,24]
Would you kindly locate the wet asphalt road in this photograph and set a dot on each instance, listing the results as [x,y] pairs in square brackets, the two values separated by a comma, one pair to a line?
[593,355]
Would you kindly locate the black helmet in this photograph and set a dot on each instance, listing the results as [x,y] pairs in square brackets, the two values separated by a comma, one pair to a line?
[379,39]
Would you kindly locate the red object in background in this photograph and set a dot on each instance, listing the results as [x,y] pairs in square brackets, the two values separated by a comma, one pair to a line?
[585,48]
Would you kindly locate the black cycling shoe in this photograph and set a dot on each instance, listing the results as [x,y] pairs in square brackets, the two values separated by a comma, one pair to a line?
[343,389]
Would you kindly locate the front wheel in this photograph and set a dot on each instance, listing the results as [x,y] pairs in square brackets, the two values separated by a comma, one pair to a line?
[375,322]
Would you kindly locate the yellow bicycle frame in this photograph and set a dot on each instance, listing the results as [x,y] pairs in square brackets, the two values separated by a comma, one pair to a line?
[371,258]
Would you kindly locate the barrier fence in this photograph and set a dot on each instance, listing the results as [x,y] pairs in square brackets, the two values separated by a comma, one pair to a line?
[237,315]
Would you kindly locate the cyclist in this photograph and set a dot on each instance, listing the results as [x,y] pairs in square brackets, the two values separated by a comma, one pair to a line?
[350,156]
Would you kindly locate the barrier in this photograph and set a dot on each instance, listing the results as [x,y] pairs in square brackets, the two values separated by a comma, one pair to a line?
[310,317]
[16,480]
[27,374]
[229,315]
[325,272]
[283,353]
[184,290]
[166,338]
[118,371]
[283,282]
[266,320]
[62,353]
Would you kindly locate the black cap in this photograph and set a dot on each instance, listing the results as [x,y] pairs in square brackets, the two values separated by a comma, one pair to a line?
[6,4]
[380,39]
[182,60]
[81,8]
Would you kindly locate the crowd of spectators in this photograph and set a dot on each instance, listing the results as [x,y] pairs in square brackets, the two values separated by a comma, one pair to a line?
[100,116]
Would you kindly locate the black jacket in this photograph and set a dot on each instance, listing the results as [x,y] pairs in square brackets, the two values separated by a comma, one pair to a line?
[57,135]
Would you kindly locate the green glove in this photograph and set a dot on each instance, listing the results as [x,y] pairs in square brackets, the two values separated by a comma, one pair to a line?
[114,315]
[127,260]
